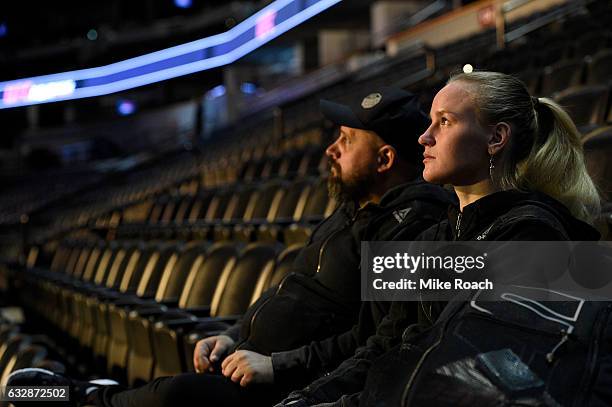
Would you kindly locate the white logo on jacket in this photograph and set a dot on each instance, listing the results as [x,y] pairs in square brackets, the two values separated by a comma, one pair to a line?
[401,214]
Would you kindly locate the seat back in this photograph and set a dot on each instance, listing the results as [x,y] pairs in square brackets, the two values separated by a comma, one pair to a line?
[237,286]
[60,257]
[585,104]
[560,76]
[600,68]
[204,275]
[106,261]
[264,201]
[28,356]
[94,260]
[145,256]
[284,264]
[167,257]
[317,202]
[237,204]
[175,274]
[124,257]
[81,263]
[199,207]
[293,201]
[75,252]
[218,205]
[183,208]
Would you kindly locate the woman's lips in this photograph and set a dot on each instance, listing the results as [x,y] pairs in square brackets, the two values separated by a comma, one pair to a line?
[428,157]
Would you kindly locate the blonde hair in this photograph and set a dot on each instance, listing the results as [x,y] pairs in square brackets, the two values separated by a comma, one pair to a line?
[544,152]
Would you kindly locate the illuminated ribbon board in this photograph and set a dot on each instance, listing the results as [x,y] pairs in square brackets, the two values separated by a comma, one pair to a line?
[210,52]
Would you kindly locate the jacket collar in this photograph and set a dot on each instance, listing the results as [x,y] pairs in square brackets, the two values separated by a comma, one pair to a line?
[480,214]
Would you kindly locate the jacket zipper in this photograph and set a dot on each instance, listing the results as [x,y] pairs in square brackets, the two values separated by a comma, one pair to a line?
[408,387]
[349,223]
[263,304]
[458,226]
[252,322]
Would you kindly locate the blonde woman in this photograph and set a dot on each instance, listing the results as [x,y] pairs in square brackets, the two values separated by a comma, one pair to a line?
[517,167]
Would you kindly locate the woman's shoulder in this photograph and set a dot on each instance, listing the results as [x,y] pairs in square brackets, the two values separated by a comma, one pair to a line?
[543,218]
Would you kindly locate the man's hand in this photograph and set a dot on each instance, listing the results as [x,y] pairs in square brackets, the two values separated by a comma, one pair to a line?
[209,351]
[246,367]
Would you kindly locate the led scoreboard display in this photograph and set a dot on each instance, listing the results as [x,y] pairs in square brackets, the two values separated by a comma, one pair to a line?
[206,53]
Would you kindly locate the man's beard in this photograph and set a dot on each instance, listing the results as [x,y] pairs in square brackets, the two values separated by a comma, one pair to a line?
[354,189]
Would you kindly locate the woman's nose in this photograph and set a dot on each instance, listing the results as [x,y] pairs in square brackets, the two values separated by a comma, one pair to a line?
[426,139]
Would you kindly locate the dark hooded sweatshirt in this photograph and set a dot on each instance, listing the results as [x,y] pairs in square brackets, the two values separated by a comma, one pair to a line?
[307,320]
[502,216]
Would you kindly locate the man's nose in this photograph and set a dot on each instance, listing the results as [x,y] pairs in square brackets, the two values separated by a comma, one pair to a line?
[332,151]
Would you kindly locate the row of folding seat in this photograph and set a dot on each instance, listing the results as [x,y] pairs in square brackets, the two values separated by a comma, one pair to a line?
[121,302]
[264,164]
[582,86]
[298,155]
[591,70]
[274,210]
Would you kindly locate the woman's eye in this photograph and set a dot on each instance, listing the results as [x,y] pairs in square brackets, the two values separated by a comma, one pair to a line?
[443,121]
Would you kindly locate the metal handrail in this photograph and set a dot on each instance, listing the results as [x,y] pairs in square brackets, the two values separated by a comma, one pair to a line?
[538,23]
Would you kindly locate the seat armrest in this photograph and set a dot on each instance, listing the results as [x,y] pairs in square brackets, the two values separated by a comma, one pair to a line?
[200,312]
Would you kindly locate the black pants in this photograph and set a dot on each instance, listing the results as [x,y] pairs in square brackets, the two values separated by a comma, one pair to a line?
[189,389]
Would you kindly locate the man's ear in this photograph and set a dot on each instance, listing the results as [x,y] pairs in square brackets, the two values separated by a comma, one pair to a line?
[499,138]
[387,156]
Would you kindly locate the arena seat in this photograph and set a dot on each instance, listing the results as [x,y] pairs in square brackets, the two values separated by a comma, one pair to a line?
[591,42]
[234,212]
[194,295]
[289,209]
[170,209]
[318,205]
[585,104]
[199,206]
[167,294]
[236,289]
[7,352]
[136,287]
[560,76]
[531,78]
[273,278]
[262,208]
[600,68]
[27,356]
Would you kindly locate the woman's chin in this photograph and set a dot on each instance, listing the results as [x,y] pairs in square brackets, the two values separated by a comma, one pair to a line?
[433,178]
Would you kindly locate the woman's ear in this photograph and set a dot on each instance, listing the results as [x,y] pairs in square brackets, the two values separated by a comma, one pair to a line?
[499,138]
[386,158]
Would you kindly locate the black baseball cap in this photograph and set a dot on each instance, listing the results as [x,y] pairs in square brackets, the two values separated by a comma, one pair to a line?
[392,113]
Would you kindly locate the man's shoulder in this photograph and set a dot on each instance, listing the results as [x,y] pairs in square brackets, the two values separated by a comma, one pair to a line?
[418,191]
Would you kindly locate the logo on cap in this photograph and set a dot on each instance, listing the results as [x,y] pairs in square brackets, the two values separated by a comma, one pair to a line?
[371,100]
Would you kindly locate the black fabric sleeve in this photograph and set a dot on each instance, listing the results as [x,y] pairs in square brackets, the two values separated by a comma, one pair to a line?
[234,331]
[350,376]
[302,365]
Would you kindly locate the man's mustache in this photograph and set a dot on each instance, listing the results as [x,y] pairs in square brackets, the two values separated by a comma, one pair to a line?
[332,164]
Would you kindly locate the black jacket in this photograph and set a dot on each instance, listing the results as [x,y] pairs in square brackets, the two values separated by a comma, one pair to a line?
[308,318]
[506,215]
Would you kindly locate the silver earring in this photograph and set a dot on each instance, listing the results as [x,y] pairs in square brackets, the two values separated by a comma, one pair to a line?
[491,166]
